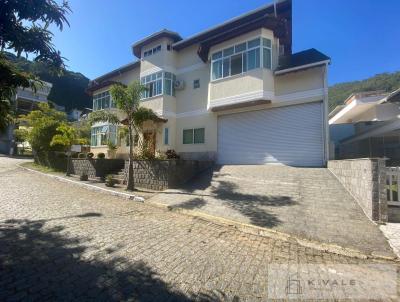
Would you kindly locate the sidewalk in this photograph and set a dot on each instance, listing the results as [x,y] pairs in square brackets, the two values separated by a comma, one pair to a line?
[96,185]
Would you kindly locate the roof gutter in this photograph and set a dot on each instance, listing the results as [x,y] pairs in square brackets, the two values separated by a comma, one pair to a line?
[302,67]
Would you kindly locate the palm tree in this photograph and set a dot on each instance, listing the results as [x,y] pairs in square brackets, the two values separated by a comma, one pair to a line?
[127,99]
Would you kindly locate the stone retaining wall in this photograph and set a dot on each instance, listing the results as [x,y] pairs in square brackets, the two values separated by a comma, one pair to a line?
[365,179]
[95,167]
[164,174]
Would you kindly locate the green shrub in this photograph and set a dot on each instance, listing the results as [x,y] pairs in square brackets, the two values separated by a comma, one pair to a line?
[161,155]
[90,155]
[82,155]
[110,181]
[83,177]
[171,154]
[61,155]
[101,155]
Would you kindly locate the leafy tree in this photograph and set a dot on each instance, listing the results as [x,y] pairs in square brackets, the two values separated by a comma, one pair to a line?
[127,100]
[24,29]
[43,125]
[21,135]
[5,114]
[66,137]
[83,131]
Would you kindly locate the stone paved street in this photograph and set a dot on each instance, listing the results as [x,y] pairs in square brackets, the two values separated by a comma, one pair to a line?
[62,242]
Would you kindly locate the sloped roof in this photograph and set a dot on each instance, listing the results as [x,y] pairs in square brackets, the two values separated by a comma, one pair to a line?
[164,33]
[302,58]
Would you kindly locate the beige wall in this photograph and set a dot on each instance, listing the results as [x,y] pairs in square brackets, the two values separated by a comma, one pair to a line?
[308,79]
[207,121]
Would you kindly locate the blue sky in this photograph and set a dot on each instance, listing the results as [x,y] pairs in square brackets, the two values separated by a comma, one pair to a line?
[361,37]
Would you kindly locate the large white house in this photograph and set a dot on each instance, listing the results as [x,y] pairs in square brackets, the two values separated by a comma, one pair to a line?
[234,93]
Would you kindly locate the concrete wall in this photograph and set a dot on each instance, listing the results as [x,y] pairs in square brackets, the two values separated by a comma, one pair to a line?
[365,179]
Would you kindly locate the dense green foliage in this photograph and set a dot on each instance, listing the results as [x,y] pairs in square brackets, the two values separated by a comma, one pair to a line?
[24,29]
[68,88]
[385,81]
[43,124]
[66,137]
[5,114]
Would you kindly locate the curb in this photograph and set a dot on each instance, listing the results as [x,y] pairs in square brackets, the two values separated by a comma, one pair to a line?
[242,227]
[88,186]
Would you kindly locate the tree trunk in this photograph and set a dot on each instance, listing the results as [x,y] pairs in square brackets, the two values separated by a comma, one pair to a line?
[131,184]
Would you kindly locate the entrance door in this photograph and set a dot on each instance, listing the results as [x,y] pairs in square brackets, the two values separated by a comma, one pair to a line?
[149,139]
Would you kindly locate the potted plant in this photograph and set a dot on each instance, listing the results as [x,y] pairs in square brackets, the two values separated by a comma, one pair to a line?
[112,149]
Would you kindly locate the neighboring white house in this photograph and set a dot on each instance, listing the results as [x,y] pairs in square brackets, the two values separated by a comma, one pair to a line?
[24,101]
[367,125]
[234,93]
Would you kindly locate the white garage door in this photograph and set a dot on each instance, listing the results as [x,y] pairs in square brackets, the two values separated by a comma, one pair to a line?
[291,135]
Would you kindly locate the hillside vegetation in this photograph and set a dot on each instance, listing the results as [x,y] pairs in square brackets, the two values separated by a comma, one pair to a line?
[385,81]
[68,89]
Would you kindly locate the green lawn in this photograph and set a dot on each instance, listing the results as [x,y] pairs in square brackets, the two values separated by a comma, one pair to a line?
[40,168]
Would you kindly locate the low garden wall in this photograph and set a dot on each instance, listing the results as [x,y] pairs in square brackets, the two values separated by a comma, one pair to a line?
[95,167]
[164,174]
[365,179]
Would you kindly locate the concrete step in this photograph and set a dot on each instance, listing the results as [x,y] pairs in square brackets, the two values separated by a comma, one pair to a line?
[394,214]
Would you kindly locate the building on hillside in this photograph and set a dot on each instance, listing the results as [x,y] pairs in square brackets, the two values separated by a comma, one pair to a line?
[234,93]
[78,114]
[24,101]
[367,125]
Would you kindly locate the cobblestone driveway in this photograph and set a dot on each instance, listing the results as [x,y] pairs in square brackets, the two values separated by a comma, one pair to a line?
[306,202]
[61,242]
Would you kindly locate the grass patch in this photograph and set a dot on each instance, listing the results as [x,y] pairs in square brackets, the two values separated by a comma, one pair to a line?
[40,168]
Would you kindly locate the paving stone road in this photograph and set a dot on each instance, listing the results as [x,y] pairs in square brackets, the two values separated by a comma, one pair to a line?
[60,242]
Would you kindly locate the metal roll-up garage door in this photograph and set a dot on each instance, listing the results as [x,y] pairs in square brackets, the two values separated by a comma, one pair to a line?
[291,135]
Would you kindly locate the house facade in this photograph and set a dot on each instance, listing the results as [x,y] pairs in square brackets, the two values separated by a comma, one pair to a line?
[367,125]
[25,100]
[234,93]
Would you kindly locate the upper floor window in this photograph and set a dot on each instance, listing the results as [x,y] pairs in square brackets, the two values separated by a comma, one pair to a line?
[152,51]
[158,83]
[102,101]
[241,57]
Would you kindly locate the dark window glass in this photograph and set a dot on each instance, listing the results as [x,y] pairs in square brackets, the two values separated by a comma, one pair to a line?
[236,64]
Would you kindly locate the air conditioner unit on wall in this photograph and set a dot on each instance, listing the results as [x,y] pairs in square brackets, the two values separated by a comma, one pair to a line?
[179,84]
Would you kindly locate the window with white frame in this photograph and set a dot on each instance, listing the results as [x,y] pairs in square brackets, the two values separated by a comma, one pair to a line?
[193,136]
[102,101]
[158,83]
[101,135]
[241,58]
[152,51]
